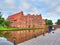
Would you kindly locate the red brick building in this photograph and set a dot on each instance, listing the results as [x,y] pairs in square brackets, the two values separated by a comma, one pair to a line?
[26,21]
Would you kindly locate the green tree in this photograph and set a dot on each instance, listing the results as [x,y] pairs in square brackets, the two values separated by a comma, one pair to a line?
[48,22]
[7,23]
[1,20]
[4,22]
[58,22]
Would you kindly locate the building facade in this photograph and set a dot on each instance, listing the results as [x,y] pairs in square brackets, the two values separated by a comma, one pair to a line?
[19,20]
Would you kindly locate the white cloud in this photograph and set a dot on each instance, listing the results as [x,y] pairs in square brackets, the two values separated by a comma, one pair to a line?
[24,6]
[35,10]
[9,1]
[44,1]
[49,7]
[54,9]
[57,9]
[33,0]
[8,5]
[51,16]
[50,3]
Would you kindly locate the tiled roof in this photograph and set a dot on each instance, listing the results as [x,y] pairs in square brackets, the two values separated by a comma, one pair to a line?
[15,15]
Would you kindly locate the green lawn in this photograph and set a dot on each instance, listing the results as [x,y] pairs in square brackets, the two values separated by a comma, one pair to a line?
[11,29]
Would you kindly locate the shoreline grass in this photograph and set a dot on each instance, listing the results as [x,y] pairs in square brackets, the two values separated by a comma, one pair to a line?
[17,29]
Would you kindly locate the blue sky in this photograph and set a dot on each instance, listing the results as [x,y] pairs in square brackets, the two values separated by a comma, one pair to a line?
[49,9]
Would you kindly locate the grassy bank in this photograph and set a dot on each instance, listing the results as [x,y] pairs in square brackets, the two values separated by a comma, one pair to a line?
[11,29]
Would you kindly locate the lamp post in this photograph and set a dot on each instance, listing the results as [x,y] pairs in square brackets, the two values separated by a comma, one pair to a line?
[14,38]
[15,42]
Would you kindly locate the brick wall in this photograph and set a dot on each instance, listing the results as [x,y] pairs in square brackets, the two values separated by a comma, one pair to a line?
[26,21]
[56,26]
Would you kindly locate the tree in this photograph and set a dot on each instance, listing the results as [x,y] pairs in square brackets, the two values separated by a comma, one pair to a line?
[1,20]
[58,22]
[48,22]
[4,22]
[7,23]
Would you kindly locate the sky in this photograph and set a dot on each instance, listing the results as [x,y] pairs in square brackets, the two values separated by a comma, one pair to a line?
[50,9]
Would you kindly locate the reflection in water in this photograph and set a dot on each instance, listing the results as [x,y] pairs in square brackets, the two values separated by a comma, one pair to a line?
[24,35]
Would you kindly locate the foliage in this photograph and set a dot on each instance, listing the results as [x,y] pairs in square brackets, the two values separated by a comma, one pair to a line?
[58,22]
[48,22]
[7,23]
[3,22]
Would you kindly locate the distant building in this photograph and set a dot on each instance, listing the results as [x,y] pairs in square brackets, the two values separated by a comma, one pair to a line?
[20,20]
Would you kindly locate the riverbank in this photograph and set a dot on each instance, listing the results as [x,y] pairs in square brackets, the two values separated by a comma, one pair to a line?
[14,29]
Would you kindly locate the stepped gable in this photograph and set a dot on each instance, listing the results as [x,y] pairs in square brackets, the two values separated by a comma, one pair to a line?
[15,16]
[39,16]
[32,16]
[22,21]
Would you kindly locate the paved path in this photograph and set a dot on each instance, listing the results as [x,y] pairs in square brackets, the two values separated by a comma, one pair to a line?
[48,39]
